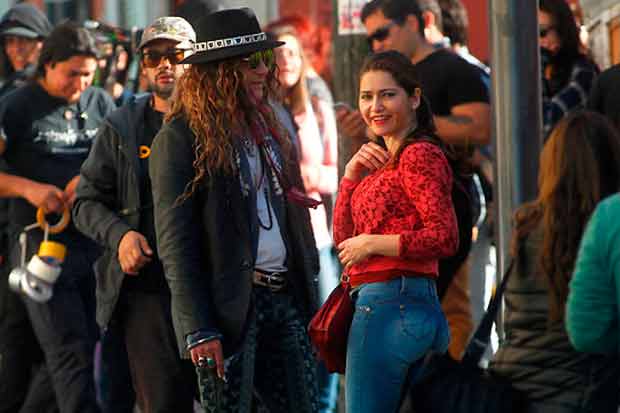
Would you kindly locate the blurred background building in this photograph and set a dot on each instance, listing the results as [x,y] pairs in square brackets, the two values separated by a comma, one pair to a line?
[600,19]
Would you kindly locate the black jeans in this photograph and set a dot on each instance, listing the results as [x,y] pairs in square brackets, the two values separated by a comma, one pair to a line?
[114,387]
[66,331]
[163,382]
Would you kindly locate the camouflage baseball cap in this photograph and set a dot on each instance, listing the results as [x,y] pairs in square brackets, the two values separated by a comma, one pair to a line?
[169,28]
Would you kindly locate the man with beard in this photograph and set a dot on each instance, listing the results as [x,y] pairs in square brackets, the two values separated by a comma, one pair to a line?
[114,206]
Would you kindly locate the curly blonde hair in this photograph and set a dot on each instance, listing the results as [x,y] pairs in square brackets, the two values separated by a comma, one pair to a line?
[212,99]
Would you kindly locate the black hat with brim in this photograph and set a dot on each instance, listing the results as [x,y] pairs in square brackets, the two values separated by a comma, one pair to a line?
[226,34]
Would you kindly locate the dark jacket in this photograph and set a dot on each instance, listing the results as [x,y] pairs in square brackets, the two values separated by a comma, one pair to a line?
[207,243]
[107,202]
[537,356]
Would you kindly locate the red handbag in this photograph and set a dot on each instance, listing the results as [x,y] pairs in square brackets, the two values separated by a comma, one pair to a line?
[329,328]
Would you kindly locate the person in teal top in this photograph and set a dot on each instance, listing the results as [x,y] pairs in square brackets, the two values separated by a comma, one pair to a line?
[592,311]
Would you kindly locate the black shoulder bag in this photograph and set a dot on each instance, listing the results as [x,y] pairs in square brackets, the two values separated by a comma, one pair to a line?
[449,386]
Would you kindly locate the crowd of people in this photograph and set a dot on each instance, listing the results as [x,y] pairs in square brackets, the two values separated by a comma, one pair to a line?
[206,222]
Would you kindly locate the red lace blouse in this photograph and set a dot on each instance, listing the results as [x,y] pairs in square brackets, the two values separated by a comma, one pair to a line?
[413,200]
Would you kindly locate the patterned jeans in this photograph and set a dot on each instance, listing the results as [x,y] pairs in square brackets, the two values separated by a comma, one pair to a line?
[275,371]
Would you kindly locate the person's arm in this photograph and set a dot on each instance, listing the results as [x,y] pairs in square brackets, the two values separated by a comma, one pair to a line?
[96,208]
[179,239]
[427,181]
[48,197]
[469,123]
[94,211]
[592,306]
[370,157]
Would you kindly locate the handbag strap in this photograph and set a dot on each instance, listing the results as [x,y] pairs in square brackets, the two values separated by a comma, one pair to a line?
[480,340]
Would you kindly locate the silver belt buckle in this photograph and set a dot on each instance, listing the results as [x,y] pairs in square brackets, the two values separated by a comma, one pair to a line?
[272,281]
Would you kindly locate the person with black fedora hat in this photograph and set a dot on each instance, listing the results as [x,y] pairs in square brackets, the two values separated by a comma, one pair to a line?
[232,225]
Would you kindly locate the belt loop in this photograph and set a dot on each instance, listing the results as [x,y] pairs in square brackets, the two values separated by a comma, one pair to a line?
[403,286]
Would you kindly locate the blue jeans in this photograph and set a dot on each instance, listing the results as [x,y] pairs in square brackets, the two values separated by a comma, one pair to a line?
[395,324]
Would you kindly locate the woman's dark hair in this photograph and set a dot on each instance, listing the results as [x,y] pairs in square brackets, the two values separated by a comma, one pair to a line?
[402,71]
[566,27]
[65,41]
[579,166]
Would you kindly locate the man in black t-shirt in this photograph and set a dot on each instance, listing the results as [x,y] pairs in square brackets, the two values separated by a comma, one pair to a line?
[49,125]
[457,95]
[114,206]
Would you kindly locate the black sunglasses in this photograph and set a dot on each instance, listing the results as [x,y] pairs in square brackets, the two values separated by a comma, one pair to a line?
[380,34]
[153,59]
[544,31]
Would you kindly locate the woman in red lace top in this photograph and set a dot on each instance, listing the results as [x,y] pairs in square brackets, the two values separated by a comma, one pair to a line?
[391,227]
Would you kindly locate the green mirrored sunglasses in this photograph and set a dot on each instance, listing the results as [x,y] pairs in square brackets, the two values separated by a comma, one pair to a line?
[266,56]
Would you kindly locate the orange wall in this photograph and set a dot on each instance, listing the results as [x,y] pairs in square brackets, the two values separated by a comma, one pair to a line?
[320,12]
[478,28]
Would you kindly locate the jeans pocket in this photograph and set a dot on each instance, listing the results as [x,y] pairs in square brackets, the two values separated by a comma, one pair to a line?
[417,320]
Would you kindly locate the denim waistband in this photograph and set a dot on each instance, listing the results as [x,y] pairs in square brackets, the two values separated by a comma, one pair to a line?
[419,286]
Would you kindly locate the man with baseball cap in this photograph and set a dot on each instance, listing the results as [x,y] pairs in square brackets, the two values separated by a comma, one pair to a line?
[114,206]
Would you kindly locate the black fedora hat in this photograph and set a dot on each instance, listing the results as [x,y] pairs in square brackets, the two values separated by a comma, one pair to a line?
[226,34]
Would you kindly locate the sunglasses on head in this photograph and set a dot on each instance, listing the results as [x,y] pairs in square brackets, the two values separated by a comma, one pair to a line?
[544,31]
[380,34]
[152,59]
[266,56]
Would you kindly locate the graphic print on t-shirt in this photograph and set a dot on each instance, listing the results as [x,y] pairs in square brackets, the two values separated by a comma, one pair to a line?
[61,133]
